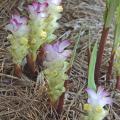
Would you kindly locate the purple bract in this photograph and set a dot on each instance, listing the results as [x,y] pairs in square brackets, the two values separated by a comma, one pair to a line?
[18,25]
[55,2]
[100,98]
[57,51]
[38,9]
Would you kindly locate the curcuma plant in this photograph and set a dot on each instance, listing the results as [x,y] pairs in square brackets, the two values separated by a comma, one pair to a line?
[43,23]
[37,13]
[97,99]
[37,35]
[56,67]
[18,39]
[29,35]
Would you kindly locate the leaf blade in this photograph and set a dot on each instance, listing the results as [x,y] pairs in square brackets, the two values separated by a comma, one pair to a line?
[91,81]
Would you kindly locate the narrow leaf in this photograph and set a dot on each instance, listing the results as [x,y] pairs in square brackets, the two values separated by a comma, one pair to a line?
[117,28]
[111,6]
[91,81]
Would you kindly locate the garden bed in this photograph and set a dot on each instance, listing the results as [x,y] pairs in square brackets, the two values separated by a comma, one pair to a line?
[21,100]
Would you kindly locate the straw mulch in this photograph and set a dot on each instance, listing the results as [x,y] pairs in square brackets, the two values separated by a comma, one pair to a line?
[19,98]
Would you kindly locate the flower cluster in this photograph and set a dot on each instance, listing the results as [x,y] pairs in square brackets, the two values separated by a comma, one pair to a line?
[37,10]
[56,67]
[57,51]
[96,103]
[43,21]
[19,38]
[29,34]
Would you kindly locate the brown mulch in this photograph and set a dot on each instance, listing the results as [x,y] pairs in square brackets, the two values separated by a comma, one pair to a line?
[19,99]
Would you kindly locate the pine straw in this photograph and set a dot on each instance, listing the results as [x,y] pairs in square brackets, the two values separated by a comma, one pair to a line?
[19,98]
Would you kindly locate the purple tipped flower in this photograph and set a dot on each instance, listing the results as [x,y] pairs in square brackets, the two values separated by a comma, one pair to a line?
[38,9]
[18,25]
[57,51]
[55,2]
[98,99]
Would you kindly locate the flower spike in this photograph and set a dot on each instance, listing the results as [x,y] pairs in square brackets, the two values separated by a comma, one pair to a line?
[56,67]
[18,40]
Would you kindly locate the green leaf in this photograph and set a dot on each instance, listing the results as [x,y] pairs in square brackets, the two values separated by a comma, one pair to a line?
[116,45]
[91,81]
[117,29]
[111,6]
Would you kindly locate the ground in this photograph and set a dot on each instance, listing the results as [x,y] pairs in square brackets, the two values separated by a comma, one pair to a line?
[19,100]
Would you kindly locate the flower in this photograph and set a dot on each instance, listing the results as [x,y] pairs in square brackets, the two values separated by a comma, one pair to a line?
[57,51]
[55,2]
[54,6]
[18,25]
[43,34]
[99,99]
[96,102]
[38,10]
[59,8]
